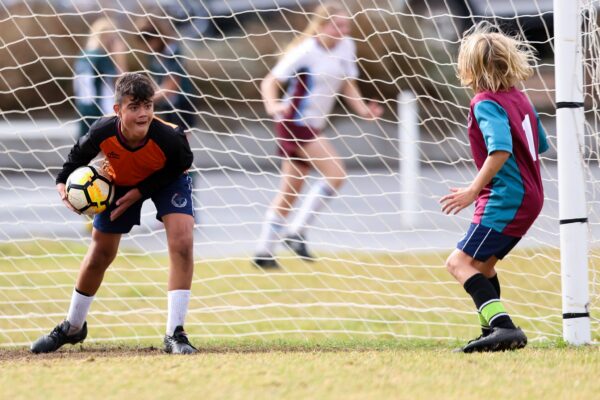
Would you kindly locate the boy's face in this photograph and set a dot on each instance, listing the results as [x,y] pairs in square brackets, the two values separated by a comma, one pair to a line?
[135,117]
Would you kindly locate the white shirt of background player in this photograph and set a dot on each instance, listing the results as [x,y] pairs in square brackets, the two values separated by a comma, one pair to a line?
[324,71]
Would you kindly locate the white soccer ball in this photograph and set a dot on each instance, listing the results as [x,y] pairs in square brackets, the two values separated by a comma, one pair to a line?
[89,191]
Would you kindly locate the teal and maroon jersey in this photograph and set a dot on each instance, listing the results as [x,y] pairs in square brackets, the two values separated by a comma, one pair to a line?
[506,121]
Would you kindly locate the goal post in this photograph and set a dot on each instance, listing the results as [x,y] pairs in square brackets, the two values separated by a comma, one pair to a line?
[571,181]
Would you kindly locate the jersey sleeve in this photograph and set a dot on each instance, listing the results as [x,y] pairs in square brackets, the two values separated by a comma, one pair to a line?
[493,123]
[179,159]
[543,140]
[349,61]
[84,151]
[290,63]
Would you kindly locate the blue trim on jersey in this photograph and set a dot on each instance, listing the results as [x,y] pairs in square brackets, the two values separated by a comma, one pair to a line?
[506,196]
[543,141]
[493,123]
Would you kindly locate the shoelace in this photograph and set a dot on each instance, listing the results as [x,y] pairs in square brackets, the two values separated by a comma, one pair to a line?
[57,332]
[476,339]
[181,337]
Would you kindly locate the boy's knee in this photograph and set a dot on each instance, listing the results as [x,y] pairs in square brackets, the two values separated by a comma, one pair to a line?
[453,265]
[183,248]
[99,260]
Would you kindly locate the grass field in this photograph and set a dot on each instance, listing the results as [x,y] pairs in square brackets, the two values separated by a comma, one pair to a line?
[332,370]
[349,326]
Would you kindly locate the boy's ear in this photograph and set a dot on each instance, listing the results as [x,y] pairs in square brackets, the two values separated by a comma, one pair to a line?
[116,108]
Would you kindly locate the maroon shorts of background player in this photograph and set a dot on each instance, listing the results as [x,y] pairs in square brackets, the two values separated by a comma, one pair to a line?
[290,137]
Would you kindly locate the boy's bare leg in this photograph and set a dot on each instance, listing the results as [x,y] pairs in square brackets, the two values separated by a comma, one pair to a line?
[100,255]
[180,239]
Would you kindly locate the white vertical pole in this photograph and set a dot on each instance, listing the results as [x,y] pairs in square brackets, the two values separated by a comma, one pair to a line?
[571,181]
[408,137]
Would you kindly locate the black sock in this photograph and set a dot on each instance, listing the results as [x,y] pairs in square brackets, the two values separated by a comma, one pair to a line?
[495,283]
[487,302]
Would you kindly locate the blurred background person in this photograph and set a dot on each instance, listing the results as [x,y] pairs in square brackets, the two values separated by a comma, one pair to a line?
[317,66]
[96,70]
[166,65]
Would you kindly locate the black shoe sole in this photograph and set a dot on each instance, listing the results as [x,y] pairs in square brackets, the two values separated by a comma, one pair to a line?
[303,256]
[488,345]
[261,264]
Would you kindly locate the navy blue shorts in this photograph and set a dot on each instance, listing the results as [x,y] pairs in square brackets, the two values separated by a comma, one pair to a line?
[175,198]
[481,242]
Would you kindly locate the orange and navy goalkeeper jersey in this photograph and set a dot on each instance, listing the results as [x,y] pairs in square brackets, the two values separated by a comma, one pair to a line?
[161,158]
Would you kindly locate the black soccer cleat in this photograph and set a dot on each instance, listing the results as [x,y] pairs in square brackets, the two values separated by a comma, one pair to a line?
[58,337]
[500,339]
[265,262]
[297,244]
[179,343]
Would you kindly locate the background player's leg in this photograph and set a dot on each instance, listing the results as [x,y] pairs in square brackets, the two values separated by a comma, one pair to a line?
[292,180]
[321,154]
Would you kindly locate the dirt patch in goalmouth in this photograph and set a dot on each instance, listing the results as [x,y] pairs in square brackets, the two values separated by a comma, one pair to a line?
[78,353]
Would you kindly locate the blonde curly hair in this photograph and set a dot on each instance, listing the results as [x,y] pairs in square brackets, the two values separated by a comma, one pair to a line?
[489,60]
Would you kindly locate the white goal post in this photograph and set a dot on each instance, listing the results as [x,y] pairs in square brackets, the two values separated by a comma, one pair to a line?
[381,242]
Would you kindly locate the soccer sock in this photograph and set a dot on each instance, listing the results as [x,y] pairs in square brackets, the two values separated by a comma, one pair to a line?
[78,310]
[270,234]
[485,327]
[495,283]
[487,302]
[315,199]
[178,301]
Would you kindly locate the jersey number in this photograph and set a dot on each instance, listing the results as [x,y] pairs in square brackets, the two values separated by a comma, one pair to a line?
[526,124]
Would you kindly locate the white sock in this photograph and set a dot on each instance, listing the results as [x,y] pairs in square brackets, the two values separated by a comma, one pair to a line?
[315,199]
[270,234]
[178,301]
[78,310]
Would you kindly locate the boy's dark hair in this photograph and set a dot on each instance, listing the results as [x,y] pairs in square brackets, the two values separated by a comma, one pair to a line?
[138,86]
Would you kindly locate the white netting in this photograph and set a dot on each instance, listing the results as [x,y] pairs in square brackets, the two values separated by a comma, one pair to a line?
[381,268]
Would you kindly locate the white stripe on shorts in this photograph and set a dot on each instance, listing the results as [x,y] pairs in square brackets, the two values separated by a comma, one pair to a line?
[482,242]
[467,242]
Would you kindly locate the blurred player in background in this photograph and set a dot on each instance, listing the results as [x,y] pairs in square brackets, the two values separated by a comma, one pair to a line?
[166,66]
[150,159]
[101,61]
[317,66]
[506,139]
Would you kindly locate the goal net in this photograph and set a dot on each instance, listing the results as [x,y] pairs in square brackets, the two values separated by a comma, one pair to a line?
[380,243]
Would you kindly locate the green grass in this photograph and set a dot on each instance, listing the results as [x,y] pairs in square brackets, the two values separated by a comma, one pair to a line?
[287,370]
[404,295]
[350,326]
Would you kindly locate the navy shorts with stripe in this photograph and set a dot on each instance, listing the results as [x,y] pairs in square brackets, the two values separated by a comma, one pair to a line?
[481,242]
[173,198]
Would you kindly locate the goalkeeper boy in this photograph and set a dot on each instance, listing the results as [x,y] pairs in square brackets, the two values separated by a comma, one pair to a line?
[149,158]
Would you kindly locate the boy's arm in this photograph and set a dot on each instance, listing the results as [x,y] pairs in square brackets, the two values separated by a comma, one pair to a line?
[462,197]
[84,151]
[494,125]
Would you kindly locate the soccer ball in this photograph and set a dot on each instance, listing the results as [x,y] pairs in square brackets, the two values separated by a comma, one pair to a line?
[89,191]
